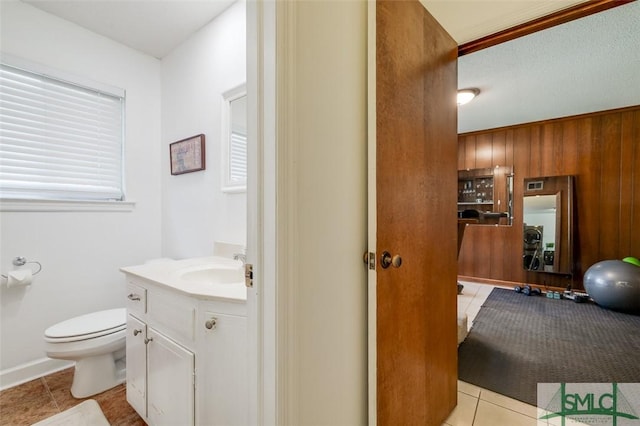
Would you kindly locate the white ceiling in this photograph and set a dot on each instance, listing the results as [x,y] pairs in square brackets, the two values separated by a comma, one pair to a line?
[587,65]
[155,27]
[468,20]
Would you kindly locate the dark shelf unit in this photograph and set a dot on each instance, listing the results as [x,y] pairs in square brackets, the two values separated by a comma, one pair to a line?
[476,190]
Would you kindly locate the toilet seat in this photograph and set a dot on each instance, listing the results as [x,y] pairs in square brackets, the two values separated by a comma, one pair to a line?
[89,326]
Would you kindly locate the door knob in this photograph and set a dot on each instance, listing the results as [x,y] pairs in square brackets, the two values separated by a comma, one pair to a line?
[387,260]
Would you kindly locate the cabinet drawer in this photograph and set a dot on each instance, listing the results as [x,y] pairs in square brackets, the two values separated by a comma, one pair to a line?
[173,314]
[136,299]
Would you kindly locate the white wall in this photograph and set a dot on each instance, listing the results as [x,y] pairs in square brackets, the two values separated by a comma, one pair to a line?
[327,154]
[195,210]
[80,251]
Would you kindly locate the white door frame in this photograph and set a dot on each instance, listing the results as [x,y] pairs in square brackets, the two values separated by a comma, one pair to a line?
[271,201]
[272,197]
[261,230]
[371,213]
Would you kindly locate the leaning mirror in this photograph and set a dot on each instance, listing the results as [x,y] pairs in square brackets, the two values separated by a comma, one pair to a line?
[234,140]
[486,195]
[547,217]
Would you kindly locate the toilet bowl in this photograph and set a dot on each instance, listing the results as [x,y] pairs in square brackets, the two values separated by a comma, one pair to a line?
[96,342]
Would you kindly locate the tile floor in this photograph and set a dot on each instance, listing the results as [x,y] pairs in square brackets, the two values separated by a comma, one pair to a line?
[44,397]
[477,406]
[41,398]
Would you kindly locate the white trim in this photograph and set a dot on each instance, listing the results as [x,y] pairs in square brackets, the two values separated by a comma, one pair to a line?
[271,394]
[31,370]
[371,213]
[60,75]
[254,213]
[15,205]
[228,97]
[261,212]
[287,221]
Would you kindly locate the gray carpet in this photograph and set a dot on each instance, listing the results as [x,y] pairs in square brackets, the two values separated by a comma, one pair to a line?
[519,341]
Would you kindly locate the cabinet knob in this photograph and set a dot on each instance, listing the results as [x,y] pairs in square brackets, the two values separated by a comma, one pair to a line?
[147,340]
[211,324]
[136,332]
[133,296]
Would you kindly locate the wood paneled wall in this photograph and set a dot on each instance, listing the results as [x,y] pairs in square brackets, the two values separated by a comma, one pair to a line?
[602,151]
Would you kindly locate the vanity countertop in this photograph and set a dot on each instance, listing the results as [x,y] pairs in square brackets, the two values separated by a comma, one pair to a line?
[204,277]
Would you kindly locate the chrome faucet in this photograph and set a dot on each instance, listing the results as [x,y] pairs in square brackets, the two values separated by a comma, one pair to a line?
[241,257]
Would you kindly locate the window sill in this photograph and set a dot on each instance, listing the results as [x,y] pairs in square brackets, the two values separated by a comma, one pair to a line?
[9,205]
[234,189]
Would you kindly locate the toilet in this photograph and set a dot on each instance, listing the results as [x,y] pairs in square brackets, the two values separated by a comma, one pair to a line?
[96,342]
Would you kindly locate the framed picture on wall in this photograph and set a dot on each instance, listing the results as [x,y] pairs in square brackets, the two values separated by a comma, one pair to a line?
[187,155]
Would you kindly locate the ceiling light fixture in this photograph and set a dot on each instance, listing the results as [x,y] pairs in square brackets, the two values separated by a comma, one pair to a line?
[466,95]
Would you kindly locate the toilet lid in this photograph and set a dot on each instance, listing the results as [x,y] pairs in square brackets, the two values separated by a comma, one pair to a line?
[90,325]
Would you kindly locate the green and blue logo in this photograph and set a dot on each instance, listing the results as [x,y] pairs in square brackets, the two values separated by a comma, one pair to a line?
[590,403]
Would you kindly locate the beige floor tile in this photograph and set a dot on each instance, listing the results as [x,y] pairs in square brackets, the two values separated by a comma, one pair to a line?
[464,302]
[464,412]
[484,290]
[471,312]
[510,403]
[472,285]
[469,389]
[557,421]
[489,414]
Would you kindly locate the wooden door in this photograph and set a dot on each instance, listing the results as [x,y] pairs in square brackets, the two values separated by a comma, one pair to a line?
[416,190]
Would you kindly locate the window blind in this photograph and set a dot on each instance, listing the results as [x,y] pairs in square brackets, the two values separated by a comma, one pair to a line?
[238,159]
[58,140]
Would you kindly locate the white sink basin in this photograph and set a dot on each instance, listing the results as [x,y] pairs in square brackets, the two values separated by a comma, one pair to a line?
[213,275]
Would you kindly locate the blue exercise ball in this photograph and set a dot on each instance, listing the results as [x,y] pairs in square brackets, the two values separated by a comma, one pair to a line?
[614,284]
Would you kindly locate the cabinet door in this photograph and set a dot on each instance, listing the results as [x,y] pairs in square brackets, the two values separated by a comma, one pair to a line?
[170,382]
[136,365]
[223,385]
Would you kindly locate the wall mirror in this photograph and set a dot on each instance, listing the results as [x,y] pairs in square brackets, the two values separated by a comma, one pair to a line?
[547,217]
[486,195]
[234,140]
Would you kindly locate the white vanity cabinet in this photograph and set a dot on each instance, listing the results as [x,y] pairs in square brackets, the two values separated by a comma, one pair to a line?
[137,364]
[223,395]
[170,381]
[186,356]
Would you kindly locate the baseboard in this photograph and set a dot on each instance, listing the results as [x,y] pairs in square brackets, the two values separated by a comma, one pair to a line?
[506,283]
[32,370]
[489,281]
